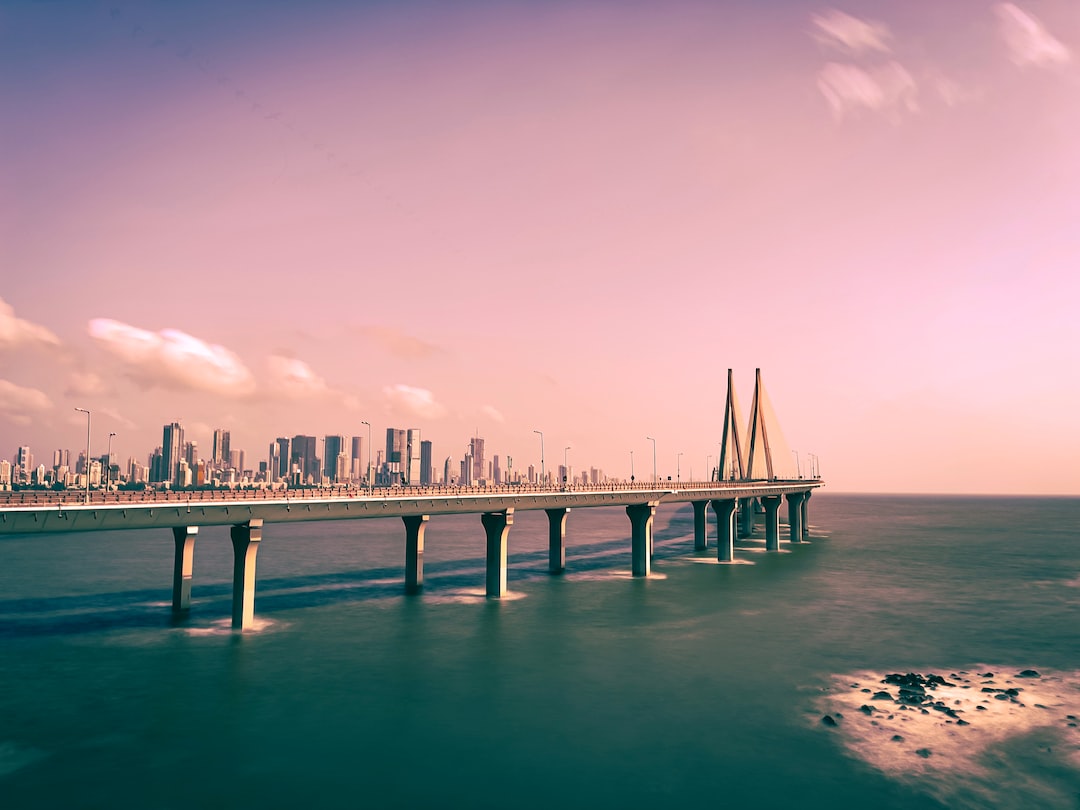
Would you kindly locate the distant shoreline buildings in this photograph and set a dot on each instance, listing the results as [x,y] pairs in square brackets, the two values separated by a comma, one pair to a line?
[406,460]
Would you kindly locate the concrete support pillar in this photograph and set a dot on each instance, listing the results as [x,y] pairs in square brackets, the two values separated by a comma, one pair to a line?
[497,525]
[725,528]
[641,519]
[184,538]
[245,541]
[794,515]
[701,528]
[746,517]
[805,514]
[772,522]
[557,540]
[415,525]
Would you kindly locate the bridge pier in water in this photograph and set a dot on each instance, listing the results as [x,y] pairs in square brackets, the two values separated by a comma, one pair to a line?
[805,513]
[725,511]
[184,538]
[641,520]
[745,517]
[794,516]
[557,540]
[772,522]
[701,526]
[415,526]
[497,526]
[245,541]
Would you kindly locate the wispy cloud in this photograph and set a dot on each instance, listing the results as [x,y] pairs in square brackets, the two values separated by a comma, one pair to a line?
[21,404]
[399,343]
[887,89]
[848,34]
[413,401]
[493,413]
[1027,40]
[173,359]
[294,378]
[84,383]
[15,331]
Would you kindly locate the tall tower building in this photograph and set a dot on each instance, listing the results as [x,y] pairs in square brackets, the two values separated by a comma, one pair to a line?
[412,453]
[305,455]
[396,454]
[359,460]
[221,448]
[172,452]
[476,451]
[333,446]
[425,463]
[283,456]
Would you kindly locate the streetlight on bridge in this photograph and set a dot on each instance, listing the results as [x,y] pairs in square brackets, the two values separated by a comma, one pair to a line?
[678,467]
[651,439]
[565,464]
[631,466]
[798,464]
[542,473]
[708,466]
[108,464]
[371,484]
[87,465]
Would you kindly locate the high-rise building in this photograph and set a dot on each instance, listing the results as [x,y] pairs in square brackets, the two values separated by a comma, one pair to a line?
[172,447]
[305,455]
[448,471]
[396,455]
[476,451]
[333,446]
[496,473]
[273,463]
[425,463]
[359,460]
[221,448]
[283,456]
[412,455]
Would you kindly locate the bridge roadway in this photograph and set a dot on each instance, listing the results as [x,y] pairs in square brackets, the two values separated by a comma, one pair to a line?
[40,512]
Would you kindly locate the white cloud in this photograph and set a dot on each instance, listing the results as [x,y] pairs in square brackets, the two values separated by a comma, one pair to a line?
[83,384]
[850,34]
[294,378]
[173,359]
[399,343]
[491,412]
[415,401]
[887,89]
[1027,41]
[20,404]
[15,331]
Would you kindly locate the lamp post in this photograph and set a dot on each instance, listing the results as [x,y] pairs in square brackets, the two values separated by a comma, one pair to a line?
[678,466]
[87,470]
[708,466]
[631,466]
[108,464]
[370,483]
[543,475]
[651,439]
[566,464]
[798,464]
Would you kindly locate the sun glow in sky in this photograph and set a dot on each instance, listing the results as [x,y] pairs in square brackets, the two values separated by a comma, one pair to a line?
[575,217]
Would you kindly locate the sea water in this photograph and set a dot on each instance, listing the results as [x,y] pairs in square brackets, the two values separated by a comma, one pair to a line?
[704,685]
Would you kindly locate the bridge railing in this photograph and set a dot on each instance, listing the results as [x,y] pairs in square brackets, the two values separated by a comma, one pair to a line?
[75,497]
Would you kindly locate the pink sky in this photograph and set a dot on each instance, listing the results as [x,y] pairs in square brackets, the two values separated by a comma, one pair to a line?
[565,217]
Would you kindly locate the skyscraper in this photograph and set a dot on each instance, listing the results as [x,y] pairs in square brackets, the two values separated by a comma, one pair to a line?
[396,454]
[476,451]
[412,453]
[305,455]
[425,463]
[359,460]
[172,452]
[283,456]
[221,448]
[332,448]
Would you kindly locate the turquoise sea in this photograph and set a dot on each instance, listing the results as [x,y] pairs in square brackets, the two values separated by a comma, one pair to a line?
[704,686]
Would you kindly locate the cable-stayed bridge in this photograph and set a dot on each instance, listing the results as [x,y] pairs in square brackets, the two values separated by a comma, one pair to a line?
[753,485]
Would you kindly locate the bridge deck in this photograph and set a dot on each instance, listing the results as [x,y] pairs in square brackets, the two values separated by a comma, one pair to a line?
[42,511]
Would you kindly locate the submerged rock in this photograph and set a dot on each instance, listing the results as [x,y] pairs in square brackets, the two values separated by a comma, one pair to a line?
[924,753]
[1028,673]
[829,721]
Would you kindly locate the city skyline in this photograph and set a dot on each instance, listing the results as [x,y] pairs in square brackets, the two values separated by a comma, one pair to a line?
[487,220]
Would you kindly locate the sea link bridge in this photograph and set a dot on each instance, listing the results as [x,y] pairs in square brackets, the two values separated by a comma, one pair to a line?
[735,502]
